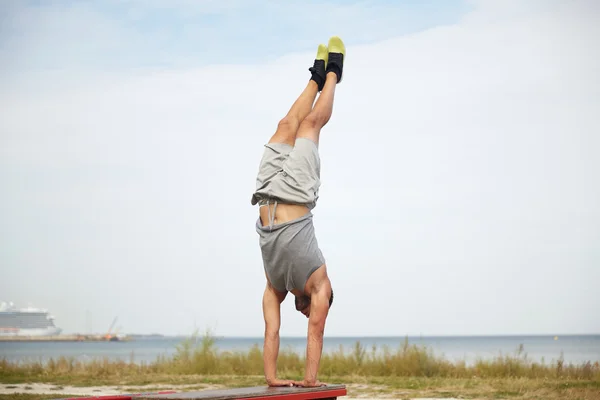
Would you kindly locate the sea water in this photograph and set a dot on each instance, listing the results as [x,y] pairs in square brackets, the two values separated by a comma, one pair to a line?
[575,349]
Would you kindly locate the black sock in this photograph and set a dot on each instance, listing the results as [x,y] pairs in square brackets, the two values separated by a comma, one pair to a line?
[318,73]
[336,64]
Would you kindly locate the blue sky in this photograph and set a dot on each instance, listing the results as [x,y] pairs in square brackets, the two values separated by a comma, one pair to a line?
[118,34]
[459,169]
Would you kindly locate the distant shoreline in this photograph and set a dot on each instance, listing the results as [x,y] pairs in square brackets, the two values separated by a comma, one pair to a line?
[62,338]
[91,336]
[141,337]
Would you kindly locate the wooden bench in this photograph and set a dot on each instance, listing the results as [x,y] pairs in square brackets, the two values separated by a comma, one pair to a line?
[256,393]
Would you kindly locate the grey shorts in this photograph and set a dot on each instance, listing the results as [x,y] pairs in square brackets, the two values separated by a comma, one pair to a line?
[290,250]
[289,174]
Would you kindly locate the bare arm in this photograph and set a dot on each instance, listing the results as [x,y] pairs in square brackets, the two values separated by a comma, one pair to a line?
[271,312]
[316,328]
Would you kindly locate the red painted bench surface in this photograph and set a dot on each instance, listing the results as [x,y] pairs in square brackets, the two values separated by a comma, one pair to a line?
[256,393]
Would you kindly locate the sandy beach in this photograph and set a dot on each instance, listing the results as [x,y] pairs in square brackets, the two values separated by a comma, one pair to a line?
[62,390]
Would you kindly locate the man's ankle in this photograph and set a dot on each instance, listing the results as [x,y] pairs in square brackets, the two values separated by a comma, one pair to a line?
[336,64]
[318,73]
[333,72]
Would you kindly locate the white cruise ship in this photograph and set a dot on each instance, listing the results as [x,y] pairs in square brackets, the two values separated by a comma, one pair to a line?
[26,321]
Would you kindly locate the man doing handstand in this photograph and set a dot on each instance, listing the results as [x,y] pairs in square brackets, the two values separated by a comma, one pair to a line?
[287,188]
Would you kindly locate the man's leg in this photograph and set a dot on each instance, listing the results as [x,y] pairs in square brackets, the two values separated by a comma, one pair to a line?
[310,127]
[288,126]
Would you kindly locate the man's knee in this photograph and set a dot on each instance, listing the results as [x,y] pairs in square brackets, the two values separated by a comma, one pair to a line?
[288,126]
[315,121]
[286,132]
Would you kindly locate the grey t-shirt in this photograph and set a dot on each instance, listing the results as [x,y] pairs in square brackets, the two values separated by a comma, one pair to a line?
[290,252]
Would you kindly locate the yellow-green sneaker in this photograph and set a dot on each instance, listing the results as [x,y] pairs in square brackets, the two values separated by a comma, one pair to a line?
[318,68]
[322,53]
[337,54]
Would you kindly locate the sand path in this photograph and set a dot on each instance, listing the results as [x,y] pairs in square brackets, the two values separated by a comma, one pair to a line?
[60,390]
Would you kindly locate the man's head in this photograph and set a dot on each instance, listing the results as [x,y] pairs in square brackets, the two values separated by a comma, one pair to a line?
[303,304]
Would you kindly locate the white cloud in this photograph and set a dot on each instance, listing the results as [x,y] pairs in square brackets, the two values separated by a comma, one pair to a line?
[459,185]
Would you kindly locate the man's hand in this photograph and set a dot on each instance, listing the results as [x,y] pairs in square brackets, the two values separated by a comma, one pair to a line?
[280,382]
[306,383]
